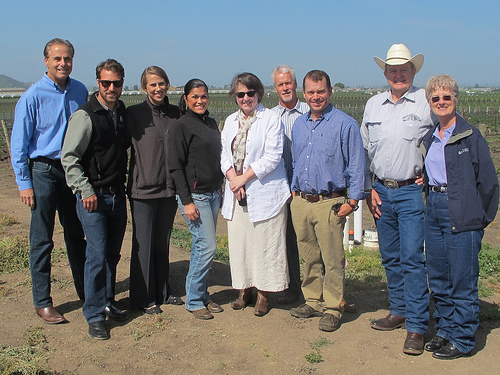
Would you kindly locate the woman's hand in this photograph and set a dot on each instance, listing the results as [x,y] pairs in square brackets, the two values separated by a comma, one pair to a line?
[240,194]
[191,211]
[237,183]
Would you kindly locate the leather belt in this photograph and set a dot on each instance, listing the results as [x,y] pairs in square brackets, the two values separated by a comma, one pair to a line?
[439,189]
[393,184]
[313,198]
[109,189]
[53,162]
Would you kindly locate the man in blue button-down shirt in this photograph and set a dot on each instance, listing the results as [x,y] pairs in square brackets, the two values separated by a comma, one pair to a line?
[329,161]
[393,126]
[40,123]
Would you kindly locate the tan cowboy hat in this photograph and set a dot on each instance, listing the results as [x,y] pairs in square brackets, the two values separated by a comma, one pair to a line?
[399,54]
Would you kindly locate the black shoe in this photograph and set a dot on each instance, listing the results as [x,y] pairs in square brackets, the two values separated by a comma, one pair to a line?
[152,310]
[98,331]
[173,300]
[436,343]
[114,313]
[81,295]
[449,351]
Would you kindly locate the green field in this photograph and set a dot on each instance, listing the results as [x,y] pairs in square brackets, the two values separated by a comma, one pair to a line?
[476,107]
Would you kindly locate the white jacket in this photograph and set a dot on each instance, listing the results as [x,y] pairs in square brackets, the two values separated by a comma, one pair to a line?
[267,193]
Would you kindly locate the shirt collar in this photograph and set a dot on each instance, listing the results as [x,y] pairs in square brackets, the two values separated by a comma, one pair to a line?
[447,132]
[409,95]
[327,113]
[284,109]
[54,84]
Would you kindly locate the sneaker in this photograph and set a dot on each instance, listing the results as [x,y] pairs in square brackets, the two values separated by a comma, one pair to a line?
[329,323]
[304,311]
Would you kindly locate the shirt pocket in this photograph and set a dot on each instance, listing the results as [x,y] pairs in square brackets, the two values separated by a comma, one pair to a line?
[374,131]
[411,127]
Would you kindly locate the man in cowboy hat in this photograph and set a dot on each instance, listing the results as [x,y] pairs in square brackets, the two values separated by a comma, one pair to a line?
[393,125]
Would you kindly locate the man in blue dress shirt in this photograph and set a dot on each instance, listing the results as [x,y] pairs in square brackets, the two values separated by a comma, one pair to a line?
[329,163]
[41,118]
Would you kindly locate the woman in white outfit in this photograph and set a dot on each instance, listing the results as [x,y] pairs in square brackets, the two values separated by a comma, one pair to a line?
[255,195]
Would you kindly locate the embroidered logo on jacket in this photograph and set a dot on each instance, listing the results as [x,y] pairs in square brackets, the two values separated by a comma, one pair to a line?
[460,152]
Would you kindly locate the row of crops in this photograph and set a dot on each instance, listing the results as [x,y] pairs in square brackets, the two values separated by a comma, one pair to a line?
[478,108]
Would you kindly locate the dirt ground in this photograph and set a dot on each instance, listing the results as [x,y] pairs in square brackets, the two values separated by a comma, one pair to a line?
[235,342]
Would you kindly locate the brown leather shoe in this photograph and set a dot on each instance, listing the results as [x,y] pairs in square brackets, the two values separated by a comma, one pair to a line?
[214,307]
[414,344]
[288,297]
[243,300]
[261,306]
[329,323]
[50,315]
[348,307]
[388,323]
[202,314]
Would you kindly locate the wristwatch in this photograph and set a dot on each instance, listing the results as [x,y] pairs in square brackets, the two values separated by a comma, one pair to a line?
[353,206]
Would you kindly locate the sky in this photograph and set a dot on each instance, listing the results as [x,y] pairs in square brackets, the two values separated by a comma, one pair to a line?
[214,39]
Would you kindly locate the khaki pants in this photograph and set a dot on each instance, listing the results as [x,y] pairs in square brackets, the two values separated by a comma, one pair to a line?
[320,241]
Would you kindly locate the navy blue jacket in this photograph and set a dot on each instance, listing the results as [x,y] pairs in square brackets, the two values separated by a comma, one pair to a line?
[472,179]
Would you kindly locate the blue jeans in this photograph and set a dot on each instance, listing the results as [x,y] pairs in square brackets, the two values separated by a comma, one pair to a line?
[401,240]
[104,229]
[51,194]
[453,266]
[203,248]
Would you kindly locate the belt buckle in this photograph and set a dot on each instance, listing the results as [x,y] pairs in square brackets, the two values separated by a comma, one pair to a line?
[391,184]
[114,189]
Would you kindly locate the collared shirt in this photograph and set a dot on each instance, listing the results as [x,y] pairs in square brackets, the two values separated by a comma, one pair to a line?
[435,163]
[328,154]
[76,142]
[392,133]
[40,122]
[288,117]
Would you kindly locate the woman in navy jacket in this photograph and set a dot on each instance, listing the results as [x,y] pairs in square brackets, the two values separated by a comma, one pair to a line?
[462,199]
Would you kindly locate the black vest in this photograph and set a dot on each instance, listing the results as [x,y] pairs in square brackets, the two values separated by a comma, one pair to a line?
[105,160]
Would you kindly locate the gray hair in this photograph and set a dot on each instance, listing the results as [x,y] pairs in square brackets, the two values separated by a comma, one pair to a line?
[283,69]
[54,41]
[444,82]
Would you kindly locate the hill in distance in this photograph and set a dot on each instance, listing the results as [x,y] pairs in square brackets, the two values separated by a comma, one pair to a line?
[10,83]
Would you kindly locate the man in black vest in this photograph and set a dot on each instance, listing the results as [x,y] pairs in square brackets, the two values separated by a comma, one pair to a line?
[94,157]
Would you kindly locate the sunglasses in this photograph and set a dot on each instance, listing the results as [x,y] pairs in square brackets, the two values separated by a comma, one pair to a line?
[106,83]
[446,98]
[242,94]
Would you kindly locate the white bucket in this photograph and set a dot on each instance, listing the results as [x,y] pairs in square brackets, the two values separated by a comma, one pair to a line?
[370,239]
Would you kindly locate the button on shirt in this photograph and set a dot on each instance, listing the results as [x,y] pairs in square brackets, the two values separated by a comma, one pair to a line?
[435,162]
[392,133]
[40,122]
[328,154]
[288,117]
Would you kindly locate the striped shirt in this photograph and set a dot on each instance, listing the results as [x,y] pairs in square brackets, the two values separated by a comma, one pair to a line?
[288,117]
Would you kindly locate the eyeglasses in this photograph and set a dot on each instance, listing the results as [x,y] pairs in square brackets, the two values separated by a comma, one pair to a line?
[106,83]
[446,98]
[241,94]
